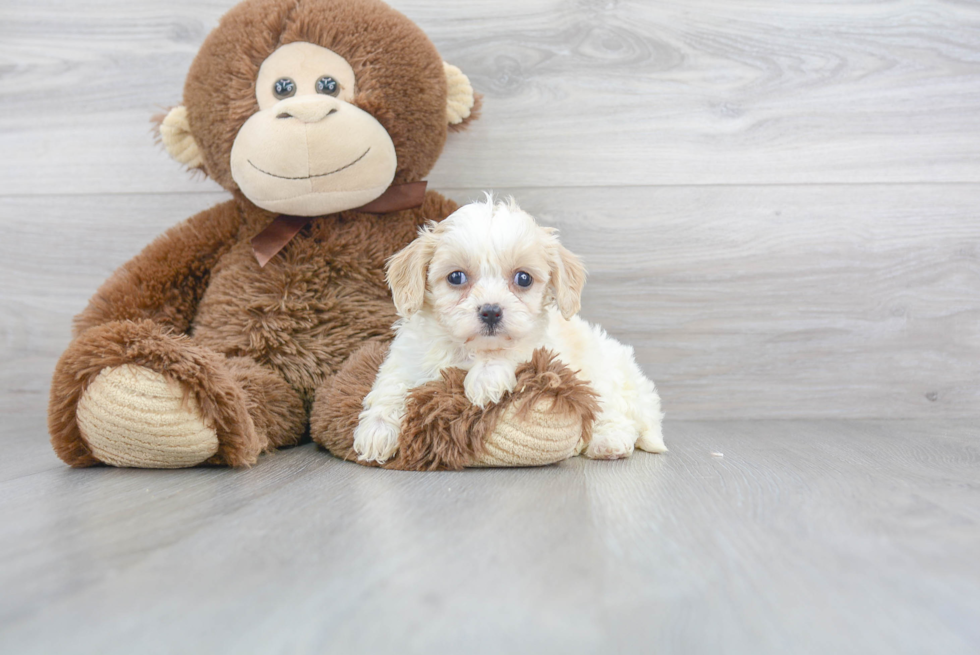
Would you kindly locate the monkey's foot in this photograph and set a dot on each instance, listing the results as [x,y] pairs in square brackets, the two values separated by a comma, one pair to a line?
[132,416]
[535,436]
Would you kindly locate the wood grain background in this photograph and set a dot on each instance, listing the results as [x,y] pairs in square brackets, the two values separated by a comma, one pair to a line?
[779,202]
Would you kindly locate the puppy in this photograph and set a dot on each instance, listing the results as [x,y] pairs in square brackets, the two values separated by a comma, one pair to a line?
[481,291]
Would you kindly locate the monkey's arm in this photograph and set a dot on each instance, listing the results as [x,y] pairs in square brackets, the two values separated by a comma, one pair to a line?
[165,282]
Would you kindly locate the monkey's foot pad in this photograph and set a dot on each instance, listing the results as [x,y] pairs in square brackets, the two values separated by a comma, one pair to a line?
[133,416]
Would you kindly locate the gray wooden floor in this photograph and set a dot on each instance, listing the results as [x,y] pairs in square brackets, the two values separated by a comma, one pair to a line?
[824,536]
[779,204]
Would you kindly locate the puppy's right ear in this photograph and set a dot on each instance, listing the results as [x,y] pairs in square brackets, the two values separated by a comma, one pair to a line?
[406,274]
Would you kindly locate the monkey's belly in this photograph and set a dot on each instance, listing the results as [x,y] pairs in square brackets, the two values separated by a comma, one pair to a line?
[301,315]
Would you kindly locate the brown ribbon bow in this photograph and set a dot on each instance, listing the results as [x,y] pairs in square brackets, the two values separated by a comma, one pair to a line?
[267,243]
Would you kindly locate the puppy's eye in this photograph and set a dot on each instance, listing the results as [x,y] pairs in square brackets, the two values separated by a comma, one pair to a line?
[283,88]
[523,279]
[456,278]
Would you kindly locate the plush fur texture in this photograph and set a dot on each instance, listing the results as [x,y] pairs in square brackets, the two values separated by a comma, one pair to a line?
[202,372]
[166,281]
[253,345]
[442,429]
[475,112]
[294,321]
[276,408]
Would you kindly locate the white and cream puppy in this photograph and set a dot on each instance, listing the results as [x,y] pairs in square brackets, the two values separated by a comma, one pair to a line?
[481,291]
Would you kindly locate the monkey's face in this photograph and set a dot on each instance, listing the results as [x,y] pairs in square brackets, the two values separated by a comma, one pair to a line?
[311,107]
[308,150]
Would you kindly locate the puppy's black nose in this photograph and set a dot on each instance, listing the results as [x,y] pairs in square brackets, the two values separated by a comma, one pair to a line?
[491,315]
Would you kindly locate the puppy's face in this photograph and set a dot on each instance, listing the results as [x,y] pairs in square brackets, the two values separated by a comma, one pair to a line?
[487,274]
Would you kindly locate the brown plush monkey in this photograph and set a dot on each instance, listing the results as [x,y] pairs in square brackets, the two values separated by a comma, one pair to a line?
[216,342]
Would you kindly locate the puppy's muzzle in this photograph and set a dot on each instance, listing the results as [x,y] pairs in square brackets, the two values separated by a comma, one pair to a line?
[490,316]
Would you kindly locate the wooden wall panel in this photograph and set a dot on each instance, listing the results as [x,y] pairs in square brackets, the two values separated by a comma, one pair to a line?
[778,201]
[621,93]
[775,301]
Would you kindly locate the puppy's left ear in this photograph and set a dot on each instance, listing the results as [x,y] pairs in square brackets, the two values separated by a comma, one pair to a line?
[406,274]
[567,280]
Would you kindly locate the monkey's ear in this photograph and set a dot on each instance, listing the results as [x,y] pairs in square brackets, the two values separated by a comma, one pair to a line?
[462,104]
[407,272]
[175,133]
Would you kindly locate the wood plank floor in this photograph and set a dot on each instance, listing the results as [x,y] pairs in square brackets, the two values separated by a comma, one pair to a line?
[805,537]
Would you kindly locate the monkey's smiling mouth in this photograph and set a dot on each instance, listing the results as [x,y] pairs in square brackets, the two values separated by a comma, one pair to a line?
[310,177]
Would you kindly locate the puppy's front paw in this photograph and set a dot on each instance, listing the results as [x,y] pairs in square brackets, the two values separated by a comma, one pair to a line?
[487,383]
[611,440]
[375,439]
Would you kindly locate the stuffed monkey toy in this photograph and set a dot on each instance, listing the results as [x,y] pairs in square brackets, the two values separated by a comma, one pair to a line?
[264,319]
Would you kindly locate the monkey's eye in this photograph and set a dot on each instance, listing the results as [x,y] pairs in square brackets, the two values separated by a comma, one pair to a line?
[327,86]
[456,278]
[523,279]
[284,87]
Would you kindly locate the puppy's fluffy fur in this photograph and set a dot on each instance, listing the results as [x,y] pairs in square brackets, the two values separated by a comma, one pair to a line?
[481,291]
